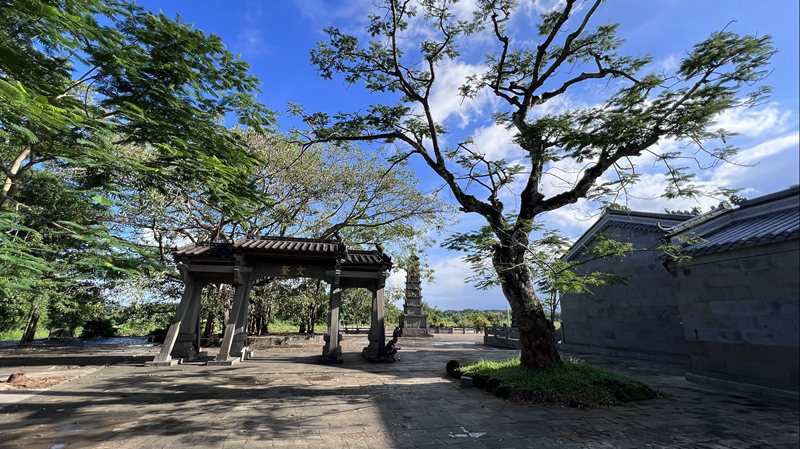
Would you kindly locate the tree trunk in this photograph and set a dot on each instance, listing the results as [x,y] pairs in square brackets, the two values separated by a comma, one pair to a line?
[536,333]
[267,319]
[30,328]
[209,327]
[11,183]
[313,312]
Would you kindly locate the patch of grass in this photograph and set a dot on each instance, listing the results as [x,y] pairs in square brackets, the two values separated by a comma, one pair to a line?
[280,327]
[571,382]
[16,334]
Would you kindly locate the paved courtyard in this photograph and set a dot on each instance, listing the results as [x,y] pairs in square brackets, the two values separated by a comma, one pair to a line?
[284,398]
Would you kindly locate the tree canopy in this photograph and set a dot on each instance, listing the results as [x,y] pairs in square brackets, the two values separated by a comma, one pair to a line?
[125,133]
[408,44]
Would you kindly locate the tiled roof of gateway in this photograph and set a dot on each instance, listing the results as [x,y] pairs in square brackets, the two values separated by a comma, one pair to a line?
[354,257]
[293,244]
[283,246]
[265,244]
[212,250]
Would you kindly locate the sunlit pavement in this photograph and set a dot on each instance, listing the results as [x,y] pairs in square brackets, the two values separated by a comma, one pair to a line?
[284,398]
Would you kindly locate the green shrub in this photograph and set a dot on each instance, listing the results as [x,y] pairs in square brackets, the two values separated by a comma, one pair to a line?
[98,327]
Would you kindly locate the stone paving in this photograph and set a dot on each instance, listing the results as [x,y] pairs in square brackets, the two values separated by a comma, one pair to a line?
[284,398]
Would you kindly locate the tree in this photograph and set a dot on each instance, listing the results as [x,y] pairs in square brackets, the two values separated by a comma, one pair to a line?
[75,266]
[84,85]
[318,191]
[722,72]
[552,275]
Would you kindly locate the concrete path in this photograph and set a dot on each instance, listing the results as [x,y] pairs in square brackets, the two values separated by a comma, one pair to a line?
[284,398]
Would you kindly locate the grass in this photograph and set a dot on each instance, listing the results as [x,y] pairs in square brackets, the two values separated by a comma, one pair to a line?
[571,382]
[17,334]
[279,326]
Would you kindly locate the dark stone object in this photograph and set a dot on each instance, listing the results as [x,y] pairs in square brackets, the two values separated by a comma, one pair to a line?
[391,345]
[453,369]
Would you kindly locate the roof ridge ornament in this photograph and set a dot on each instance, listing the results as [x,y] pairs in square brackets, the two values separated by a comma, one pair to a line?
[723,207]
[737,200]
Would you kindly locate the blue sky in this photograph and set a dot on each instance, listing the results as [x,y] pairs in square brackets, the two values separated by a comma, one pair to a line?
[275,38]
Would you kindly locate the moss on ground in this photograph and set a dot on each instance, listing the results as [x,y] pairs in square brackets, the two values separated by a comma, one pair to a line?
[571,383]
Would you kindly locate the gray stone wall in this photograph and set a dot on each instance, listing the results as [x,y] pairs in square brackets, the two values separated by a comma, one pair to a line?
[740,314]
[640,319]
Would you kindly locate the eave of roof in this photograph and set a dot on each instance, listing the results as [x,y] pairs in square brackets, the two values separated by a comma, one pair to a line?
[771,218]
[761,230]
[643,221]
[272,246]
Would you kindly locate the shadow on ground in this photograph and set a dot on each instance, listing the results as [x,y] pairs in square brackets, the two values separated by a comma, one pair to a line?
[287,398]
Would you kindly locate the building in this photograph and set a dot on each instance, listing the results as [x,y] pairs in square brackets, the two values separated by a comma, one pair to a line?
[727,306]
[639,319]
[738,294]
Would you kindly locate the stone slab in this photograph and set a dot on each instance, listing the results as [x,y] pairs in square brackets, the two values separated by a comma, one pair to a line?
[230,362]
[159,363]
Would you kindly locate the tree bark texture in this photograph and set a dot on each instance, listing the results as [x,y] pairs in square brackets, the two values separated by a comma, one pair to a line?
[11,183]
[536,333]
[30,328]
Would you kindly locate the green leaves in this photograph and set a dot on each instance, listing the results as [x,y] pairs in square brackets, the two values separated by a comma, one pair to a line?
[101,101]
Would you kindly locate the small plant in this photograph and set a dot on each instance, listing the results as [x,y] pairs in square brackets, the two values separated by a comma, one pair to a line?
[571,383]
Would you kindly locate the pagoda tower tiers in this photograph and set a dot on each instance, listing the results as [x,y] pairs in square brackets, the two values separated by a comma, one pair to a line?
[413,322]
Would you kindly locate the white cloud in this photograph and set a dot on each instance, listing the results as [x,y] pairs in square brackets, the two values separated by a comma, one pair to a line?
[449,275]
[324,12]
[756,160]
[573,219]
[397,279]
[756,169]
[495,141]
[446,100]
[538,7]
[450,291]
[754,122]
[557,105]
[147,237]
[251,39]
[665,65]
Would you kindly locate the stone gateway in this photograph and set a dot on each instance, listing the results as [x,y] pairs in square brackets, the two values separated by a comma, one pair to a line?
[249,259]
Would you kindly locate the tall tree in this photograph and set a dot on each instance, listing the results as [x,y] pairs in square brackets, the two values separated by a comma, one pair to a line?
[721,72]
[83,84]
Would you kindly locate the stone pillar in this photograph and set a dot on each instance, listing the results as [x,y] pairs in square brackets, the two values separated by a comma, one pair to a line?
[413,322]
[377,330]
[332,351]
[239,343]
[174,348]
[188,329]
[234,341]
